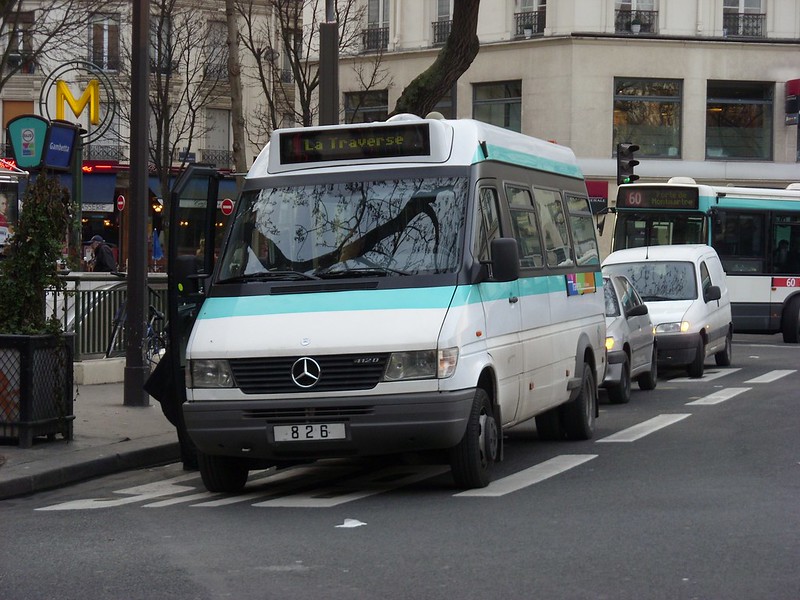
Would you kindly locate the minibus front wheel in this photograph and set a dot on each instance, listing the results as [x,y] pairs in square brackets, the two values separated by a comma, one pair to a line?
[226,474]
[471,461]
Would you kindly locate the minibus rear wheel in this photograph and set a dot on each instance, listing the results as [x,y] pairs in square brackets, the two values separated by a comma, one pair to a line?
[225,474]
[471,461]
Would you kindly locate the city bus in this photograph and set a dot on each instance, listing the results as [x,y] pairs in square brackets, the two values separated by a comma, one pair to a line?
[755,231]
[409,286]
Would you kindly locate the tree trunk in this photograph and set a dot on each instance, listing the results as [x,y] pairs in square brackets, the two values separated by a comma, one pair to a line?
[235,79]
[461,48]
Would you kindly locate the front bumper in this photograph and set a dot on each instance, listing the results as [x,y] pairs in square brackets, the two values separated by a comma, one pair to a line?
[677,348]
[614,369]
[374,425]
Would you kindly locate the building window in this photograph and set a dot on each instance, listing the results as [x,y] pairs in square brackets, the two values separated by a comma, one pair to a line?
[498,103]
[635,16]
[647,112]
[739,120]
[376,35]
[294,40]
[160,44]
[216,63]
[443,22]
[104,42]
[446,106]
[529,21]
[744,18]
[366,107]
[18,28]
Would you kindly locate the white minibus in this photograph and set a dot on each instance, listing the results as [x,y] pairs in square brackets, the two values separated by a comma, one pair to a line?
[398,287]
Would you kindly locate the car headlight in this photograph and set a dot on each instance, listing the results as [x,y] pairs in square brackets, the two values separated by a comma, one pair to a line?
[609,344]
[209,374]
[421,364]
[681,327]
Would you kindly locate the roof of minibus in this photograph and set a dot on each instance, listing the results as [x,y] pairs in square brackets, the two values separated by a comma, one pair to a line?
[462,139]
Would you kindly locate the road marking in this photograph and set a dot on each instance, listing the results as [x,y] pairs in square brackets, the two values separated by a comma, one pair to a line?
[718,397]
[356,489]
[179,500]
[530,476]
[772,376]
[631,434]
[709,375]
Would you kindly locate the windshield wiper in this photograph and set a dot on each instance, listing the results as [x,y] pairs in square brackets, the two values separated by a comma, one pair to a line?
[267,276]
[655,298]
[359,271]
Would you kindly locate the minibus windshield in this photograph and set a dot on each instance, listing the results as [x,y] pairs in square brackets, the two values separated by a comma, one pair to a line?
[367,228]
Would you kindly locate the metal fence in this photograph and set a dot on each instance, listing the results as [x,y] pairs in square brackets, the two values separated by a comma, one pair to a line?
[90,304]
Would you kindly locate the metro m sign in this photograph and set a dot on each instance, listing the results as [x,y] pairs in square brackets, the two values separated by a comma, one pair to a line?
[90,96]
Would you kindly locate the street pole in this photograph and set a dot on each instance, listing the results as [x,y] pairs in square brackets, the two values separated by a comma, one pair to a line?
[135,369]
[329,67]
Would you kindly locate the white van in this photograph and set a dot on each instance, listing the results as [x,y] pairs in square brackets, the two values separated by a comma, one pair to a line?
[686,293]
[414,285]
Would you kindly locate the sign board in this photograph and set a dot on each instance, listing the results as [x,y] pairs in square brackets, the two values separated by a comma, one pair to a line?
[661,198]
[60,148]
[120,203]
[27,135]
[226,207]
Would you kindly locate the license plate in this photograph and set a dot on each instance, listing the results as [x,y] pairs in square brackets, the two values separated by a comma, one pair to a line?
[306,432]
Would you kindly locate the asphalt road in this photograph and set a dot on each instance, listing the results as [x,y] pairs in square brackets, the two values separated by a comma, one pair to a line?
[689,491]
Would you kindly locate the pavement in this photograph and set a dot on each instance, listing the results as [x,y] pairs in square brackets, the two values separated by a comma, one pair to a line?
[108,437]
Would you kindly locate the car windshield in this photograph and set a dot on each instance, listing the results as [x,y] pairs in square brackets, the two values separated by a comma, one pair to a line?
[612,306]
[659,280]
[385,228]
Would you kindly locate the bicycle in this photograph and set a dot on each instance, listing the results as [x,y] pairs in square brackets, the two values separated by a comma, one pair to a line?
[155,340]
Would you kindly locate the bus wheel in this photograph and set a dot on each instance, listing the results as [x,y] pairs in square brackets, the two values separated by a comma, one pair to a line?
[226,474]
[725,356]
[791,321]
[697,366]
[472,459]
[577,416]
[620,393]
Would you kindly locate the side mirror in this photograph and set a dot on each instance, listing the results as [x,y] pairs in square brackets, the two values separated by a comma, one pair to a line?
[637,311]
[712,293]
[505,259]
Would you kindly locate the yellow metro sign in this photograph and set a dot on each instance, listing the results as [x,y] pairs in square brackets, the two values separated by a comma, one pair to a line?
[90,96]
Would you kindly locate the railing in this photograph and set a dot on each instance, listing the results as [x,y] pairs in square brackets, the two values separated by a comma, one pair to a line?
[90,304]
[742,25]
[287,76]
[530,23]
[374,39]
[95,151]
[441,31]
[635,21]
[221,159]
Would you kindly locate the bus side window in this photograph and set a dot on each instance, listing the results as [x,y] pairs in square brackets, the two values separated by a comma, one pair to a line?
[488,223]
[526,229]
[554,227]
[580,219]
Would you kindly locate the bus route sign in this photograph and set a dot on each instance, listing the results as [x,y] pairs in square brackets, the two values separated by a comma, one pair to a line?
[670,198]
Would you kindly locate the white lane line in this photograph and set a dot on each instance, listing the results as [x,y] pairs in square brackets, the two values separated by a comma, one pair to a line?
[358,488]
[718,397]
[631,434]
[179,500]
[530,476]
[772,376]
[709,375]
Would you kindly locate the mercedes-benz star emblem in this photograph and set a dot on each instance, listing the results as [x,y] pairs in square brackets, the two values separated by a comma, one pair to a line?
[306,372]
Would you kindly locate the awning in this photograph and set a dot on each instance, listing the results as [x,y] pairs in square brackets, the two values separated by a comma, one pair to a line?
[97,192]
[227,188]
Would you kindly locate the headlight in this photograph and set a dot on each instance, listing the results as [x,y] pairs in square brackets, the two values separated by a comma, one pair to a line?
[208,374]
[609,344]
[681,327]
[422,364]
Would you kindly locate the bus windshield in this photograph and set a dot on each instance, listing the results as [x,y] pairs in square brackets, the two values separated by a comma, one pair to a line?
[637,229]
[659,280]
[388,228]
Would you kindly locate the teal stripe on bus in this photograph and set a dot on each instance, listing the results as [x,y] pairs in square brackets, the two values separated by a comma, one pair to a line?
[523,159]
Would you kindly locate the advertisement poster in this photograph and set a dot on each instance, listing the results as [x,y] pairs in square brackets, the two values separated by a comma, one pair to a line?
[8,211]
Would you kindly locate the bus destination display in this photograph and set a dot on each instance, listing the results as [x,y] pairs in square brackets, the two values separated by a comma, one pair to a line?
[672,197]
[356,143]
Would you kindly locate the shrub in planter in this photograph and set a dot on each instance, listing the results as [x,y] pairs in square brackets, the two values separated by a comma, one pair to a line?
[35,355]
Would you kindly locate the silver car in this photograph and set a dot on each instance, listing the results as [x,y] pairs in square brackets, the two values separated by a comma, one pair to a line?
[630,340]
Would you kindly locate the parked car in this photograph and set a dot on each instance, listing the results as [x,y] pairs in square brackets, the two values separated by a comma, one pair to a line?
[630,341]
[686,293]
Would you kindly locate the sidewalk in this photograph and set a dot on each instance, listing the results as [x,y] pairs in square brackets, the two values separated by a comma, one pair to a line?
[108,437]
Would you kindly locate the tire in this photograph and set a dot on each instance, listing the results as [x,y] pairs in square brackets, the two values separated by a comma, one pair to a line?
[620,393]
[697,366]
[577,416]
[548,426]
[649,380]
[790,325]
[724,357]
[225,474]
[471,461]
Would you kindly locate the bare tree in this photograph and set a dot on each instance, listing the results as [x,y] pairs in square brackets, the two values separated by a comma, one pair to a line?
[462,45]
[31,34]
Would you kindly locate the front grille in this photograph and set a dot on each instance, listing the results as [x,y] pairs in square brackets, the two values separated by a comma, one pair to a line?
[308,414]
[342,372]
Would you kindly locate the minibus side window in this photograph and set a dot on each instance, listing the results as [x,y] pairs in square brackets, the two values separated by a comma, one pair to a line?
[526,229]
[488,223]
[554,226]
[580,219]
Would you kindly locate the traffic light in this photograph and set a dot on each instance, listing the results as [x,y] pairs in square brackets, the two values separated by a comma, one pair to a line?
[626,162]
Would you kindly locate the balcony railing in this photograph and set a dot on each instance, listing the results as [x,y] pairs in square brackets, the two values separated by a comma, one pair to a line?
[441,31]
[530,23]
[97,151]
[287,76]
[742,25]
[221,159]
[374,39]
[636,21]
